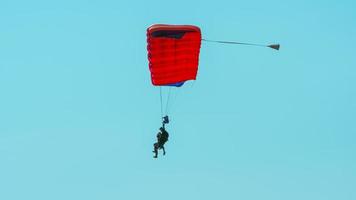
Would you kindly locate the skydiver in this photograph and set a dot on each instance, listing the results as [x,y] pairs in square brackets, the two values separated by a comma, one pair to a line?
[162,138]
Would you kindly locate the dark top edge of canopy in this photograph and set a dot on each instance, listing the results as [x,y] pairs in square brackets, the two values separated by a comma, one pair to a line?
[169,33]
[168,27]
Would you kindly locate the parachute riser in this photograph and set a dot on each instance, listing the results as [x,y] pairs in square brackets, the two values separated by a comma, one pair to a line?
[165,120]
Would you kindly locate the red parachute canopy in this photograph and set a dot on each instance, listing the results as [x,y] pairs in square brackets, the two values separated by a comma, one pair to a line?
[173,53]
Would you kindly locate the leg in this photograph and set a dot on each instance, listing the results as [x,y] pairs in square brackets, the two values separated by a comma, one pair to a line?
[155,149]
[164,151]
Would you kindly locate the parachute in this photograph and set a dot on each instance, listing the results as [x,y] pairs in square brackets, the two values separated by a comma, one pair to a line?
[173,53]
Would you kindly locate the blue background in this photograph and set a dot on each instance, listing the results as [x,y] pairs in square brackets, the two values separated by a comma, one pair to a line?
[78,113]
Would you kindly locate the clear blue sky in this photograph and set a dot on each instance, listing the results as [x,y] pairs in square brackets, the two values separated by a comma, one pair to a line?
[78,113]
